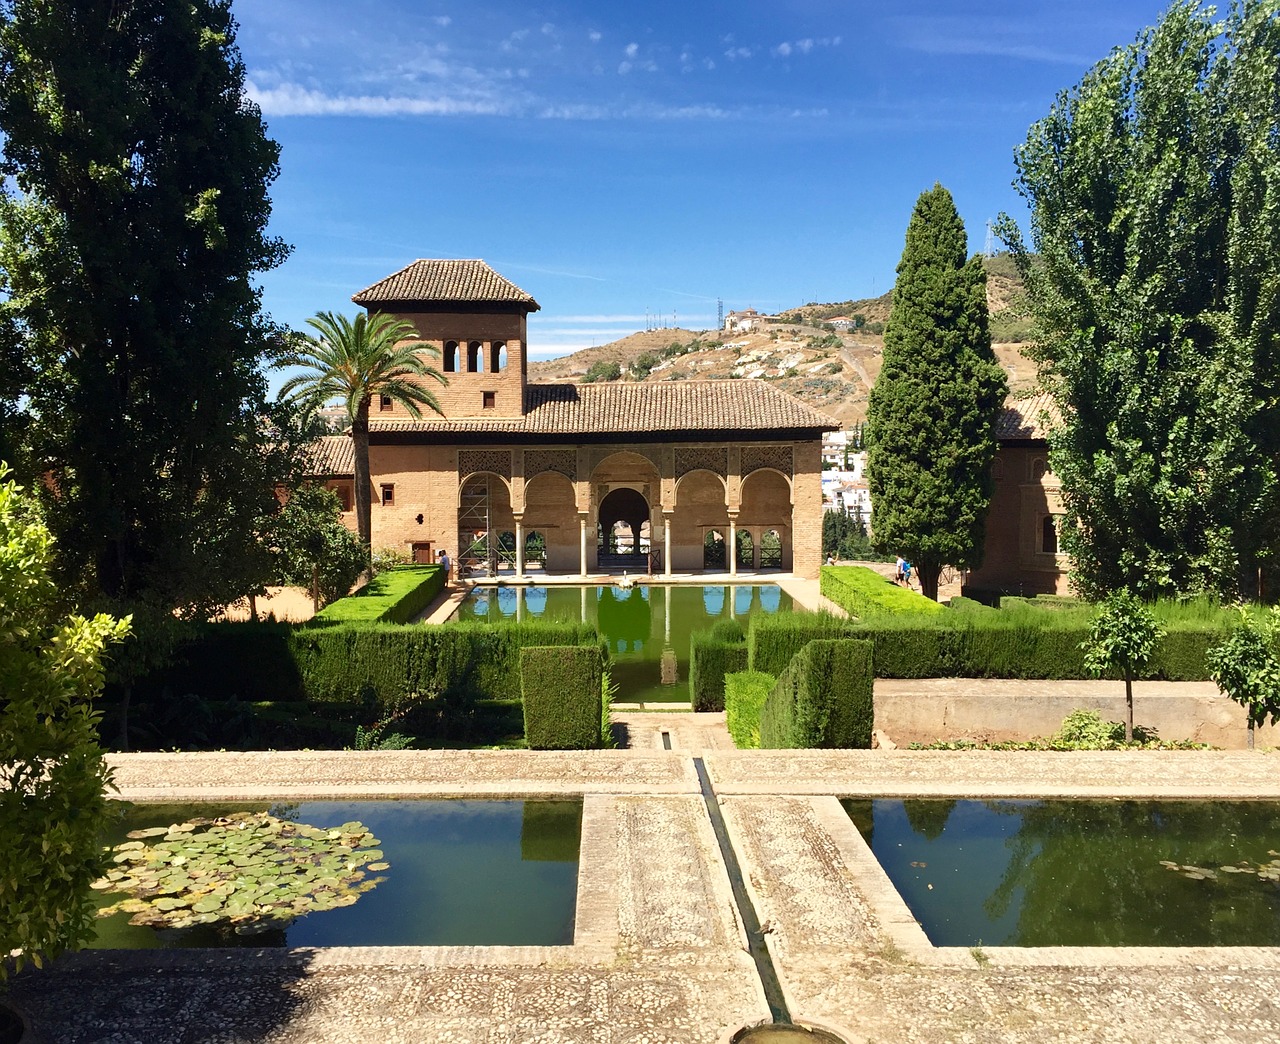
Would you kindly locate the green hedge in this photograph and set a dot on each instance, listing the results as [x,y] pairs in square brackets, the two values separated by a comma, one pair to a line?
[561,686]
[744,696]
[448,677]
[822,699]
[774,639]
[864,592]
[710,659]
[1018,644]
[393,596]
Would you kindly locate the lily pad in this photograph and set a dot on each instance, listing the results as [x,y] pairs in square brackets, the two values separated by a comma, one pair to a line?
[249,871]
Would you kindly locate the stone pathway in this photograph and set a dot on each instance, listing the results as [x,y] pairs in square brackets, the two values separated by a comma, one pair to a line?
[659,952]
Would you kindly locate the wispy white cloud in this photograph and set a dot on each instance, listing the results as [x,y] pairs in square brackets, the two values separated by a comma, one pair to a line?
[595,36]
[808,45]
[1003,39]
[291,99]
[443,21]
[735,54]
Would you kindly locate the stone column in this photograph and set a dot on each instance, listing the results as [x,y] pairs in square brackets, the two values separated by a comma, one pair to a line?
[583,517]
[519,547]
[666,544]
[732,550]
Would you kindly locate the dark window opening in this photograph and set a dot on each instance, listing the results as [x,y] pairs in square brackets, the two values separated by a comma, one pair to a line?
[473,357]
[388,494]
[497,357]
[450,356]
[1049,535]
[384,403]
[490,400]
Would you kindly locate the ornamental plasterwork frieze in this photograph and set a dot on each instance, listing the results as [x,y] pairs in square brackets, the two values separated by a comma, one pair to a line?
[538,462]
[496,461]
[706,458]
[756,457]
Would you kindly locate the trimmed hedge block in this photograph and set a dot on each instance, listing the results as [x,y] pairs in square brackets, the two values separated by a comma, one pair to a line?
[744,696]
[823,698]
[393,596]
[710,659]
[561,686]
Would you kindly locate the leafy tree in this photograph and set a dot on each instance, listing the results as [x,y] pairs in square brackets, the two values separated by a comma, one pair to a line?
[53,804]
[352,361]
[1153,274]
[1246,667]
[930,429]
[602,371]
[133,220]
[1122,637]
[313,548]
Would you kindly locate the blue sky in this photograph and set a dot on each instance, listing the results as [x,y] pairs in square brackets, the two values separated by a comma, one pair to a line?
[630,164]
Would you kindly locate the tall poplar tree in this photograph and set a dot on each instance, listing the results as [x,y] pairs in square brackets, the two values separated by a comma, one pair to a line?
[931,421]
[130,334]
[1153,272]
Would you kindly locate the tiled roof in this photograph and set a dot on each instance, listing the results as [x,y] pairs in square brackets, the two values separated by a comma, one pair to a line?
[442,280]
[1027,418]
[638,409]
[332,455]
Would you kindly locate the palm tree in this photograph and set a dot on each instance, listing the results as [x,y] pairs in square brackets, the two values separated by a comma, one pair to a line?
[354,360]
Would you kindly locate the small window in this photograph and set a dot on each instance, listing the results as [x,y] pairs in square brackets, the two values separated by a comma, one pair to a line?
[1049,535]
[490,400]
[388,494]
[475,359]
[344,495]
[384,403]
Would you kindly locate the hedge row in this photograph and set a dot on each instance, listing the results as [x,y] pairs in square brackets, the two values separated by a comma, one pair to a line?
[393,596]
[744,696]
[446,674]
[561,687]
[822,699]
[995,645]
[710,659]
[864,592]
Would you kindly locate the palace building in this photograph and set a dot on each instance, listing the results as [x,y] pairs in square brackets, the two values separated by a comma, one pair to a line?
[656,477]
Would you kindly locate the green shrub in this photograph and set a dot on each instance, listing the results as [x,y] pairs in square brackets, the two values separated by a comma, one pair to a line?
[822,699]
[710,659]
[394,596]
[729,630]
[968,605]
[454,681]
[864,592]
[1018,643]
[773,640]
[562,690]
[744,696]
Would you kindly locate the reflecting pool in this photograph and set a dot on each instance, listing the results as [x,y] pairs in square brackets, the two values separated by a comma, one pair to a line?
[648,628]
[462,873]
[1080,873]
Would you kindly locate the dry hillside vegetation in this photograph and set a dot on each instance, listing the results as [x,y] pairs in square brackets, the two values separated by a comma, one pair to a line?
[830,371]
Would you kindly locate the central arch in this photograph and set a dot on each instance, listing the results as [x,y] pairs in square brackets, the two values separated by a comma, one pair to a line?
[629,507]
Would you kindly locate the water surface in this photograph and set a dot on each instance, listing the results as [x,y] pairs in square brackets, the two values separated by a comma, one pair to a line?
[463,873]
[1078,873]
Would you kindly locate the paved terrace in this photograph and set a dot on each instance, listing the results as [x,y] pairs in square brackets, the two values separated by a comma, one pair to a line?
[659,954]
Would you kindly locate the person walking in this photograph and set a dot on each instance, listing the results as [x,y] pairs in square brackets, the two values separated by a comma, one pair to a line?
[897,569]
[444,562]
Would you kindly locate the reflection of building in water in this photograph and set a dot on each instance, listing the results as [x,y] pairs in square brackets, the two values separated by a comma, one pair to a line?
[713,600]
[625,617]
[670,667]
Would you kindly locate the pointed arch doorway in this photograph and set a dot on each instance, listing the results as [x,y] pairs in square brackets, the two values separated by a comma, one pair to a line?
[624,531]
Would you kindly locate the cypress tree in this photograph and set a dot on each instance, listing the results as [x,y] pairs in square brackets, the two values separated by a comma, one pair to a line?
[931,420]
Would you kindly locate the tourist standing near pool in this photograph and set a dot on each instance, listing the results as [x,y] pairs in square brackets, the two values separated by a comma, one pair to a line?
[444,562]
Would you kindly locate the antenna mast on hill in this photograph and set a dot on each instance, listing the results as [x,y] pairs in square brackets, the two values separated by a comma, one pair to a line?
[719,314]
[990,248]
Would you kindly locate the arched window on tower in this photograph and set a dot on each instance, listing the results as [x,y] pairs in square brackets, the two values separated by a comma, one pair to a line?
[473,357]
[497,357]
[1049,535]
[450,356]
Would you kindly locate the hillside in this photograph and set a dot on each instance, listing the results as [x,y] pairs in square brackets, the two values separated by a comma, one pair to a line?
[829,370]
